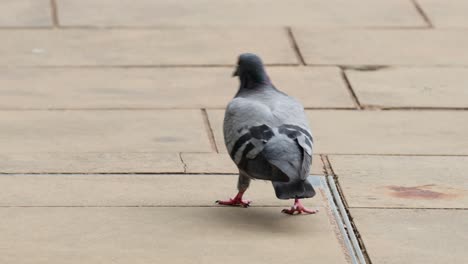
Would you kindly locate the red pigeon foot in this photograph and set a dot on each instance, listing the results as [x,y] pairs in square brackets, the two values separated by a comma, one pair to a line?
[236,201]
[299,208]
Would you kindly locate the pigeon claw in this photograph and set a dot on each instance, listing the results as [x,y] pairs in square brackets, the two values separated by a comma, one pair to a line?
[299,209]
[235,202]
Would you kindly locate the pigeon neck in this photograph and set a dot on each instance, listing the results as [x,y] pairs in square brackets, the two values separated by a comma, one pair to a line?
[253,80]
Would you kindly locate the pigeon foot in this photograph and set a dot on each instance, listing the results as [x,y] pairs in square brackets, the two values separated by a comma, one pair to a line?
[299,208]
[236,201]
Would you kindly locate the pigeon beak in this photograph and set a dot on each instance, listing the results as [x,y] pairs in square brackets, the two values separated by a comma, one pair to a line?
[236,72]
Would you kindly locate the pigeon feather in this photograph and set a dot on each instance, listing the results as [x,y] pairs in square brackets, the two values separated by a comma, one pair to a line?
[267,134]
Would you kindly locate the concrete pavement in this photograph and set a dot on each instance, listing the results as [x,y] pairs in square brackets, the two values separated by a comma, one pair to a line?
[111,148]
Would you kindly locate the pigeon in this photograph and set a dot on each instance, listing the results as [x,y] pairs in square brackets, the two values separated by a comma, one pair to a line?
[268,137]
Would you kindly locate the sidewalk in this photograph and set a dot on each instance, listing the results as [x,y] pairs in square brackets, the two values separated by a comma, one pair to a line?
[111,147]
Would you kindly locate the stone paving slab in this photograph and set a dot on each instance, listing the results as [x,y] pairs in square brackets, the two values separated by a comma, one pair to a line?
[403,181]
[413,235]
[444,14]
[209,163]
[233,13]
[222,163]
[164,235]
[90,163]
[134,190]
[390,132]
[158,87]
[103,131]
[142,47]
[383,47]
[411,87]
[25,13]
[379,132]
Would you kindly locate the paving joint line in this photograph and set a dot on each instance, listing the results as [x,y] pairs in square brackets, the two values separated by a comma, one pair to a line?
[396,155]
[126,108]
[141,66]
[54,14]
[336,220]
[424,108]
[371,67]
[189,27]
[8,28]
[334,176]
[356,67]
[295,46]
[330,108]
[332,173]
[209,130]
[327,169]
[19,174]
[183,162]
[412,108]
[422,13]
[350,88]
[408,208]
[156,108]
[134,206]
[364,67]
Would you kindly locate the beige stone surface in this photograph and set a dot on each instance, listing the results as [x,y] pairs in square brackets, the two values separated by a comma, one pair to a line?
[143,47]
[403,181]
[317,166]
[390,132]
[164,235]
[209,162]
[158,87]
[379,132]
[106,154]
[59,162]
[25,13]
[383,47]
[413,236]
[134,190]
[222,163]
[411,87]
[233,13]
[103,131]
[445,14]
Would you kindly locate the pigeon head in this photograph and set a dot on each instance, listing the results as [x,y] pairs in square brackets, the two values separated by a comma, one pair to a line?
[251,71]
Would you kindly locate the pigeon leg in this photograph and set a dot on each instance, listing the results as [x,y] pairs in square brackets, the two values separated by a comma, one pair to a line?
[236,201]
[299,208]
[242,185]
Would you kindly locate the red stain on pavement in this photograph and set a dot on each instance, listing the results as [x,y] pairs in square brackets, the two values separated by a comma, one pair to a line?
[419,192]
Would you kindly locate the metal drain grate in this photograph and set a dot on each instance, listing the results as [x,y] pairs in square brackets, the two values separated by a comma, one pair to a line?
[327,185]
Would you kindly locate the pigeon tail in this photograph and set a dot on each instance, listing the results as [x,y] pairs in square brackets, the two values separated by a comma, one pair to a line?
[291,158]
[294,190]
[288,156]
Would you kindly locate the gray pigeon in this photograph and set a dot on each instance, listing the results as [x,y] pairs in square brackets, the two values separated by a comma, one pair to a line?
[268,137]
